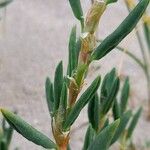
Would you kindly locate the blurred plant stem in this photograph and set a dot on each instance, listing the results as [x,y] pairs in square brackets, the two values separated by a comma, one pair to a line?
[146,64]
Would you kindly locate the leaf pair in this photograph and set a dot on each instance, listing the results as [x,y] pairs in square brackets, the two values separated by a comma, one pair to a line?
[99,106]
[109,91]
[74,47]
[134,122]
[82,101]
[102,139]
[94,112]
[53,91]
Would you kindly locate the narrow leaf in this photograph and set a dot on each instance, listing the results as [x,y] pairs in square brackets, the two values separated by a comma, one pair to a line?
[27,130]
[107,84]
[124,96]
[58,83]
[63,98]
[103,139]
[123,123]
[49,94]
[77,9]
[93,112]
[116,110]
[134,122]
[8,135]
[121,32]
[111,97]
[83,100]
[111,78]
[72,62]
[89,137]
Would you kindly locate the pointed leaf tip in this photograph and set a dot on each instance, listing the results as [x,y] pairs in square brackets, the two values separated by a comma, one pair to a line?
[27,130]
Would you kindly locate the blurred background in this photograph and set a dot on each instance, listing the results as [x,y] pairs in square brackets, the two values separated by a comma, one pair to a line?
[33,39]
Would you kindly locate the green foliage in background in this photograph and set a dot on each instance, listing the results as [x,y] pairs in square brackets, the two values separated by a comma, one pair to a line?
[109,100]
[4,3]
[6,133]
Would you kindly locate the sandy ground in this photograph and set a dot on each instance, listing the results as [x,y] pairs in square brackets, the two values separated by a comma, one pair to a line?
[34,41]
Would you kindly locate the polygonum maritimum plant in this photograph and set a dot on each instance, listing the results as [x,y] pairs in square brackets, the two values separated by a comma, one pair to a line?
[62,94]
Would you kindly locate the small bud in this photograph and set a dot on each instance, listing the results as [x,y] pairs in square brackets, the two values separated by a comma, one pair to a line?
[93,16]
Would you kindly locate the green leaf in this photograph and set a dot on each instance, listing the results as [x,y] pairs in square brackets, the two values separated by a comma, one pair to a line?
[124,95]
[103,139]
[72,64]
[123,123]
[63,105]
[63,98]
[111,1]
[49,95]
[5,3]
[77,9]
[27,130]
[107,84]
[134,122]
[121,32]
[89,137]
[111,78]
[93,112]
[58,83]
[116,110]
[83,100]
[107,103]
